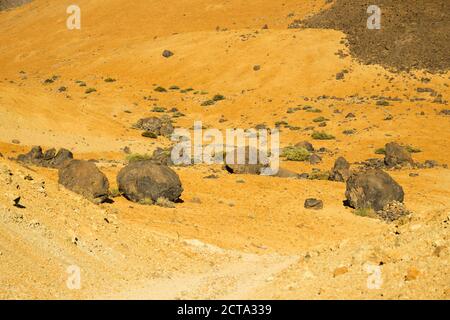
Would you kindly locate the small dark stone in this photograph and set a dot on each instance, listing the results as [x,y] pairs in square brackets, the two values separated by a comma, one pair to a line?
[372,189]
[167,53]
[144,181]
[303,176]
[306,145]
[83,177]
[314,159]
[350,115]
[396,155]
[314,204]
[340,171]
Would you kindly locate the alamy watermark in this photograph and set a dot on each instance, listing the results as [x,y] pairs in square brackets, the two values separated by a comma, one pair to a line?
[374,21]
[73,281]
[237,147]
[73,21]
[374,280]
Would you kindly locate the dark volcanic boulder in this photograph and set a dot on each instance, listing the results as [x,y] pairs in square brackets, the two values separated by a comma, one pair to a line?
[340,171]
[156,126]
[145,180]
[49,159]
[83,177]
[34,154]
[372,189]
[162,157]
[285,173]
[396,155]
[314,204]
[247,167]
[306,145]
[314,159]
[61,159]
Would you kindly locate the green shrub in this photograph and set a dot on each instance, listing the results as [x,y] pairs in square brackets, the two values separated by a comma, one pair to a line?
[178,114]
[114,193]
[281,123]
[322,136]
[174,88]
[320,119]
[160,89]
[159,109]
[208,103]
[218,97]
[149,134]
[146,202]
[314,110]
[380,151]
[319,175]
[365,212]
[134,157]
[295,154]
[90,90]
[110,80]
[412,149]
[165,203]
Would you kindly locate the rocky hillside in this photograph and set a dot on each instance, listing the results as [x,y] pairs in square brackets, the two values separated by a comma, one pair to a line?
[86,180]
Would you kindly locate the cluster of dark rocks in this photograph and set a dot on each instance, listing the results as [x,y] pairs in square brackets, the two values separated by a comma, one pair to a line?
[143,181]
[49,159]
[154,126]
[397,157]
[368,186]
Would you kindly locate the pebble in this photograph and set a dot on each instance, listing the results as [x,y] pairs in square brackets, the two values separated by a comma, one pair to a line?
[340,271]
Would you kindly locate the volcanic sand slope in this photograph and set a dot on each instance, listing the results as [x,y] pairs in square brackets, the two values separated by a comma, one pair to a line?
[246,244]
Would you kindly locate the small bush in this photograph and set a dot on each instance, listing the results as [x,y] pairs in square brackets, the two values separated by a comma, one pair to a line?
[218,97]
[365,212]
[159,109]
[380,151]
[383,103]
[90,90]
[160,89]
[174,88]
[114,193]
[149,134]
[134,157]
[165,203]
[319,175]
[110,80]
[146,202]
[322,136]
[281,123]
[295,154]
[412,149]
[208,103]
[178,114]
[314,110]
[320,119]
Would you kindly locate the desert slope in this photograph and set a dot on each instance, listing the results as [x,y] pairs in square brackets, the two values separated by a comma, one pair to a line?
[234,236]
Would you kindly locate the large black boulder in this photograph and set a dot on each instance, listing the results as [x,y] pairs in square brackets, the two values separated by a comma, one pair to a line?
[143,181]
[372,189]
[83,177]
